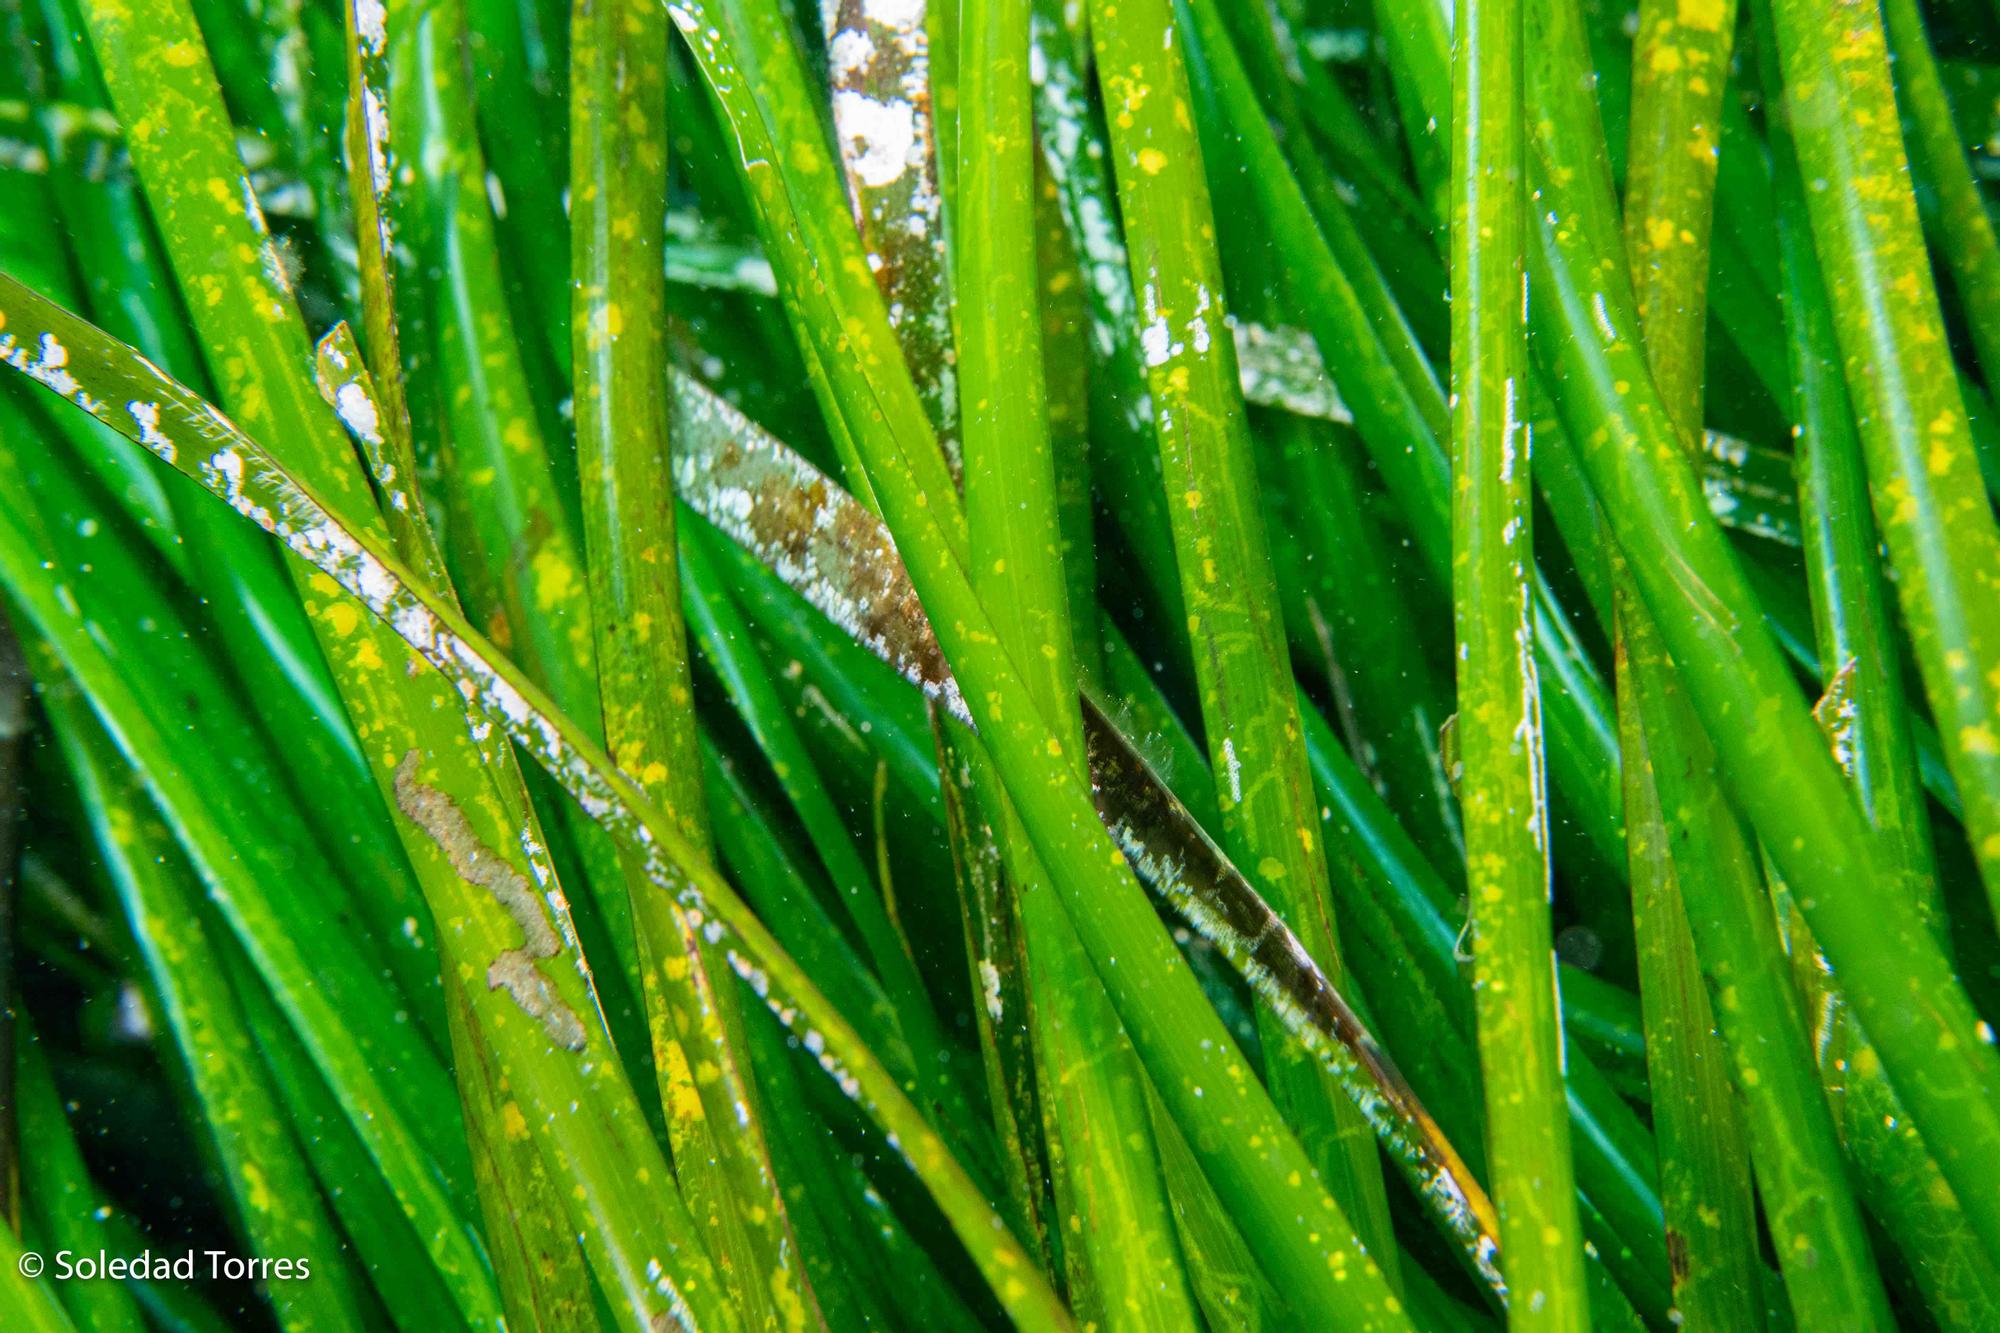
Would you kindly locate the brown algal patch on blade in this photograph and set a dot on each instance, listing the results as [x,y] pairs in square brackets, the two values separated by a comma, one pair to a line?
[813,535]
[1179,861]
[514,971]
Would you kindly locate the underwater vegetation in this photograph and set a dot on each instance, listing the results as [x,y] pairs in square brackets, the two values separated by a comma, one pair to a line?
[1108,664]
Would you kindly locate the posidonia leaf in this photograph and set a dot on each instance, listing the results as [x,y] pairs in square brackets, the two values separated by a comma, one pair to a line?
[879,63]
[1098,1110]
[1190,873]
[1234,625]
[541,1278]
[822,543]
[121,388]
[365,142]
[1963,226]
[618,56]
[1503,789]
[749,60]
[1281,367]
[1923,470]
[1709,1203]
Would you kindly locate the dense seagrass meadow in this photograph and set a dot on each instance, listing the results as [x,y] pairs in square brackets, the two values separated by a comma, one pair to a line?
[1121,665]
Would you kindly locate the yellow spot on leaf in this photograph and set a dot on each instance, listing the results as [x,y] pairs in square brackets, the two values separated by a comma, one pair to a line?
[255,1186]
[1703,14]
[555,580]
[683,1102]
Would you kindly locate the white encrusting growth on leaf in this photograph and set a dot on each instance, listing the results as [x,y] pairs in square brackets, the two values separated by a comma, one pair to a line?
[879,139]
[371,23]
[147,417]
[878,66]
[989,982]
[357,410]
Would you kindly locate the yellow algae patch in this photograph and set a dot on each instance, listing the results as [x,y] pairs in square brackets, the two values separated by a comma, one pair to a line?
[260,1191]
[512,1123]
[791,1310]
[682,1100]
[555,580]
[1703,14]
